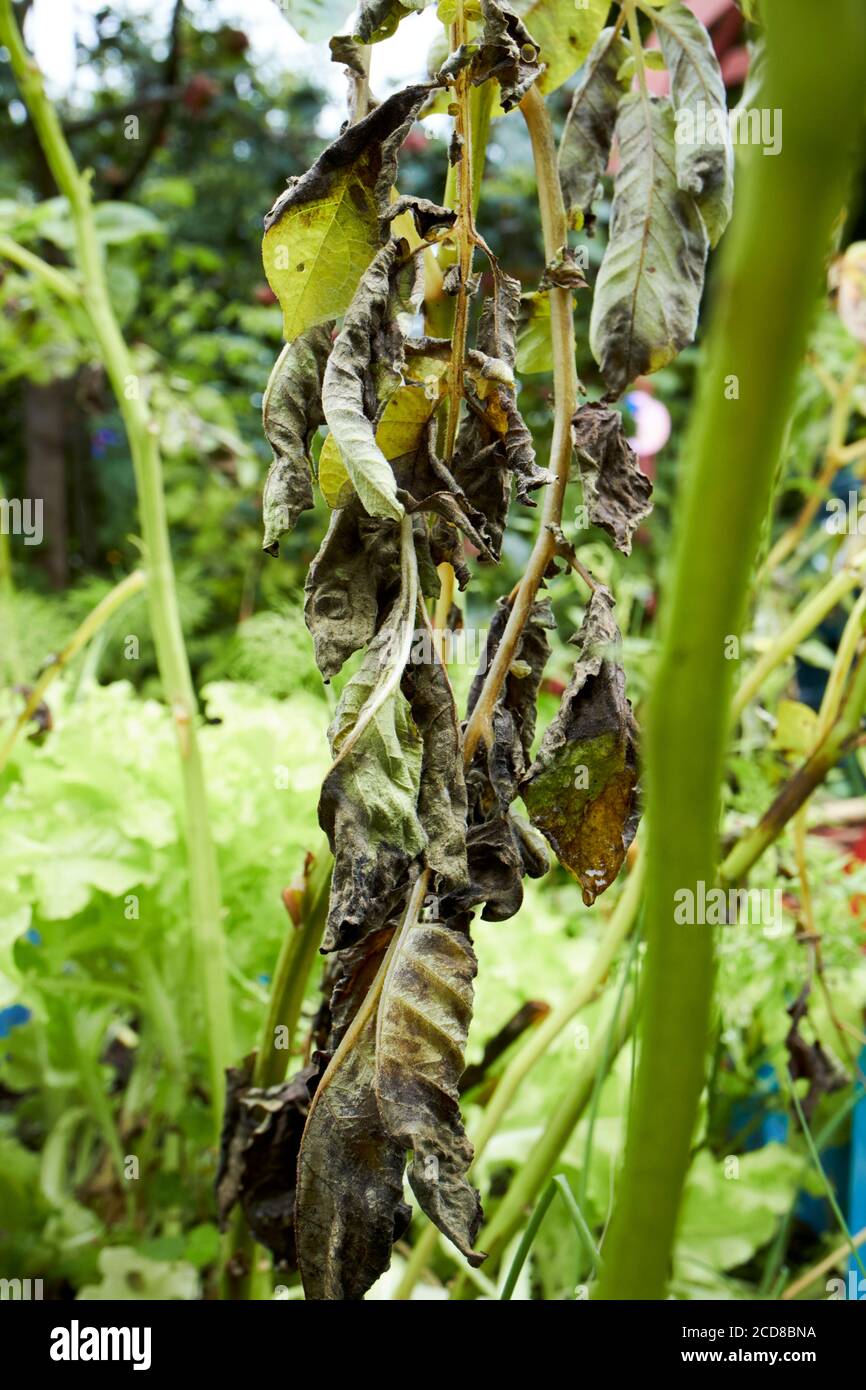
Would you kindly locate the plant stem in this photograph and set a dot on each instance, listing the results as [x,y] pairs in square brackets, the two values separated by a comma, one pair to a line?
[803,622]
[294,964]
[554,227]
[142,433]
[801,1284]
[770,271]
[465,234]
[105,609]
[58,281]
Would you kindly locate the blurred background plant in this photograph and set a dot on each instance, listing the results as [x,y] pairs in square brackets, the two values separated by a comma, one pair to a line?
[106,1161]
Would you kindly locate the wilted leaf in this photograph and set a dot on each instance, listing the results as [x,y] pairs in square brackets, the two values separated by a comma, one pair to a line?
[442,796]
[261,1139]
[581,790]
[352,580]
[705,162]
[507,52]
[353,357]
[291,412]
[378,19]
[584,150]
[566,32]
[615,490]
[390,1087]
[324,230]
[369,802]
[648,291]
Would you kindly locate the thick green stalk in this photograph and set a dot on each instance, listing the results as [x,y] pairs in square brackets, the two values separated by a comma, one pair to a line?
[770,274]
[142,432]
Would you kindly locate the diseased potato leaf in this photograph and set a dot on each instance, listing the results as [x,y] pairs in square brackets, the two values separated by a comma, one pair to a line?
[351,583]
[507,51]
[369,802]
[587,137]
[565,31]
[324,230]
[615,490]
[582,789]
[648,291]
[442,797]
[423,1021]
[349,1208]
[368,349]
[261,1138]
[705,162]
[291,412]
[378,19]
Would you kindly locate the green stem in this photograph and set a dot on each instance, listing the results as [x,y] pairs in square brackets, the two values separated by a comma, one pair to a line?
[292,972]
[56,280]
[770,272]
[142,433]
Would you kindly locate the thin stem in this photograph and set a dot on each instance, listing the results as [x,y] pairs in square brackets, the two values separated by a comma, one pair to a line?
[465,235]
[819,1167]
[142,433]
[804,1281]
[105,609]
[554,226]
[57,281]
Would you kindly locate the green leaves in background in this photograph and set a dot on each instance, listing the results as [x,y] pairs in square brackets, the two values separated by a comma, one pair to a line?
[315,20]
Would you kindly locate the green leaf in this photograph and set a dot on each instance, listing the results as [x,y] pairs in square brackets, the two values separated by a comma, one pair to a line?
[565,31]
[588,134]
[291,412]
[648,291]
[322,233]
[581,790]
[704,150]
[534,350]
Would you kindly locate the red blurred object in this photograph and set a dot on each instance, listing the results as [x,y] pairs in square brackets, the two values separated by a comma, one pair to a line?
[264,295]
[199,92]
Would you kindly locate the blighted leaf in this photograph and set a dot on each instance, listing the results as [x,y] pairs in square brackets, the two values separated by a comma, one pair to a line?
[349,1208]
[581,790]
[500,852]
[565,31]
[259,1154]
[423,1021]
[428,217]
[442,797]
[378,19]
[351,583]
[369,802]
[291,412]
[648,291]
[704,149]
[391,1086]
[507,51]
[355,357]
[584,150]
[615,490]
[324,230]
